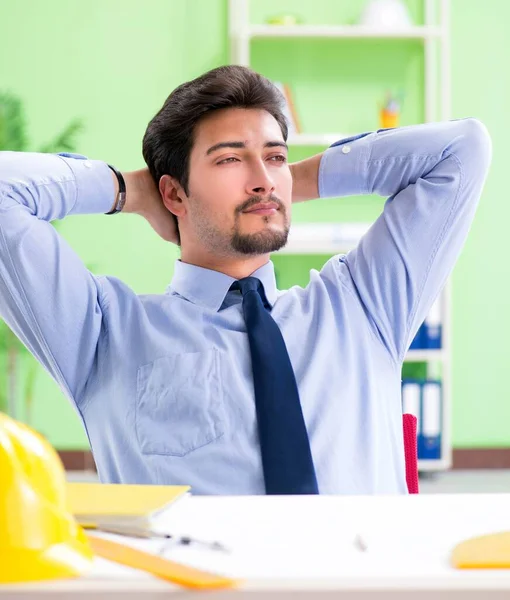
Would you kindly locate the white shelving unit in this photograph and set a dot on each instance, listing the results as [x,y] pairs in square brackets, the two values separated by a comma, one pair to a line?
[326,238]
[339,31]
[315,139]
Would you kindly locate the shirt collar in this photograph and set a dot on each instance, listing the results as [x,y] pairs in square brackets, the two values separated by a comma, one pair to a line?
[208,288]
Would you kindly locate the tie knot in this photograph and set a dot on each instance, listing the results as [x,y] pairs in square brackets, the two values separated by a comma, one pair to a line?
[251,284]
[247,284]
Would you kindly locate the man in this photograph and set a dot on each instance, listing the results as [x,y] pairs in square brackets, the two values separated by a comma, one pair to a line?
[224,382]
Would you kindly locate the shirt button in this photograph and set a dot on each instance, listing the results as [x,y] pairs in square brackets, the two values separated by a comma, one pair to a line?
[346,149]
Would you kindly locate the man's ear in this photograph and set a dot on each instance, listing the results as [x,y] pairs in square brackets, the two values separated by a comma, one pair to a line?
[173,195]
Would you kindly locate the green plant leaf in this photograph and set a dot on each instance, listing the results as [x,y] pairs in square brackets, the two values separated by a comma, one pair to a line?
[13,136]
[65,140]
[12,123]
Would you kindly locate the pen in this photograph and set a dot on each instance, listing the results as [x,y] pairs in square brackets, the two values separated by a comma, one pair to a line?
[359,543]
[147,533]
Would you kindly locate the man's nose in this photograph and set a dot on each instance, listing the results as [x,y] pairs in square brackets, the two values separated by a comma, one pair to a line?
[261,183]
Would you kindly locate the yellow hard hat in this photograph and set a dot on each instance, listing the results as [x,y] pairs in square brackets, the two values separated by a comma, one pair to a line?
[39,538]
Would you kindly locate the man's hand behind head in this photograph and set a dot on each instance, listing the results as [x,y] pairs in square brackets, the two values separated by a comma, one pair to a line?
[143,198]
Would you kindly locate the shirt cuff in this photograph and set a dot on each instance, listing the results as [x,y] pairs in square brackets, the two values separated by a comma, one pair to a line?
[342,170]
[95,190]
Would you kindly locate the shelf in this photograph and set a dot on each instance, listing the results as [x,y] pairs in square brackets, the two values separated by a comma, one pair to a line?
[324,238]
[425,355]
[341,31]
[319,247]
[435,464]
[315,139]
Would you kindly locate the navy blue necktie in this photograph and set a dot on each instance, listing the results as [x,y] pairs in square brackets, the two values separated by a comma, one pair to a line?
[286,456]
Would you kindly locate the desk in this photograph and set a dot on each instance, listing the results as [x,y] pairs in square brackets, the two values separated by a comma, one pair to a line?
[302,547]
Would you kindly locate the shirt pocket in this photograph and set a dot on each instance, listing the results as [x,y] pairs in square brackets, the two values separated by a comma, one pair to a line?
[179,405]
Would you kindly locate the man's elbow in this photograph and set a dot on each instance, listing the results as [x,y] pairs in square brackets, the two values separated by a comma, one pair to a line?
[474,145]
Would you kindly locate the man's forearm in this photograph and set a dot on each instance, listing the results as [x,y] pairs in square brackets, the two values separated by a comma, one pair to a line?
[305,174]
[139,188]
[52,187]
[387,162]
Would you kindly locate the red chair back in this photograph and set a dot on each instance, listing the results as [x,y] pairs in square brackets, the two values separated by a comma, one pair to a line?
[411,452]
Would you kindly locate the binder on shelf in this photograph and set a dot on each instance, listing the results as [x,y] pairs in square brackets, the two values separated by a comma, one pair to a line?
[411,403]
[429,443]
[411,400]
[433,326]
[417,343]
[429,335]
[424,400]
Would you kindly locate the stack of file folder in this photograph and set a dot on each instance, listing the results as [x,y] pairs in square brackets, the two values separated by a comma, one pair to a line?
[423,398]
[430,332]
[95,503]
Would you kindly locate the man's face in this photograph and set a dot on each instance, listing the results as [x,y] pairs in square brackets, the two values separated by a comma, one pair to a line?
[240,184]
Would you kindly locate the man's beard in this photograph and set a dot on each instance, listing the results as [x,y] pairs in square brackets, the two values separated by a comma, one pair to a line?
[262,242]
[234,242]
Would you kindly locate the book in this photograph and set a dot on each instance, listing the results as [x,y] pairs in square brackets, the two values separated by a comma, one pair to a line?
[290,108]
[93,503]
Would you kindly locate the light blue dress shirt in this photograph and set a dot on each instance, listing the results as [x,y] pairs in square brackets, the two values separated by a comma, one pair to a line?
[163,382]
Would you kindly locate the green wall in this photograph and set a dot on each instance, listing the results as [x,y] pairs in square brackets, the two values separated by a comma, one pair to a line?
[113,63]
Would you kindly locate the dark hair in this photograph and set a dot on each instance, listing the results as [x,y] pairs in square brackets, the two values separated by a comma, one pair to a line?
[169,137]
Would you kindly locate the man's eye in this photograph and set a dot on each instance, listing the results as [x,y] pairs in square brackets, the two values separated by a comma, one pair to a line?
[278,158]
[227,160]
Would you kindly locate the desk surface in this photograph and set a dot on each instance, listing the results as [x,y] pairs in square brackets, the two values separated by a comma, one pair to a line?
[283,544]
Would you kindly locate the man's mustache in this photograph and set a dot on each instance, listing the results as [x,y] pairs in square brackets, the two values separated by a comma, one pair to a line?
[253,200]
